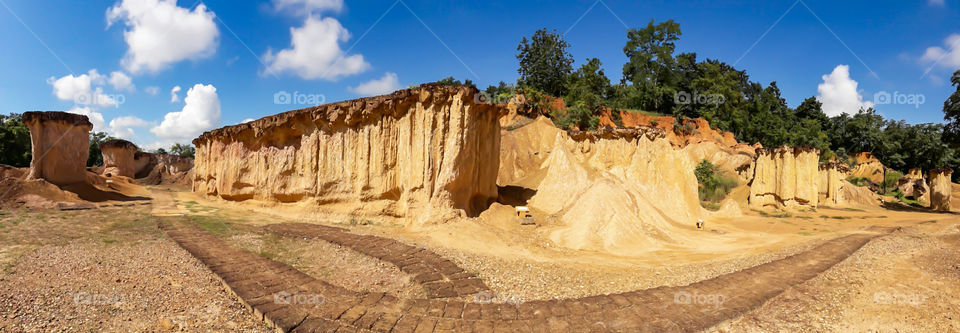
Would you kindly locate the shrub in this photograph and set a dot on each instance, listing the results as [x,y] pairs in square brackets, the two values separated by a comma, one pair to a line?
[713,184]
[890,181]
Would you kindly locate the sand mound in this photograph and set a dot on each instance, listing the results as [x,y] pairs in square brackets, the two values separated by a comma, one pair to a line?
[18,191]
[859,196]
[621,192]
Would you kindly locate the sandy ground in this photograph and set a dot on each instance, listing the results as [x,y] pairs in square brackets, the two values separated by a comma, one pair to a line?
[520,263]
[111,270]
[106,270]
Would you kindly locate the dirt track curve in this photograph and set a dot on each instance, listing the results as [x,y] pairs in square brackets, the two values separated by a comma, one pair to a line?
[266,286]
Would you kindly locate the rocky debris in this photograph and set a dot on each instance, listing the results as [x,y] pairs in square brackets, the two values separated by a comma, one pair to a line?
[940,189]
[832,176]
[426,154]
[785,178]
[914,185]
[118,158]
[60,146]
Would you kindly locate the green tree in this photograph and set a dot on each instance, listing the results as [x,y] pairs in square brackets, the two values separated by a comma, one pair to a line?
[14,141]
[951,113]
[95,157]
[183,150]
[544,62]
[651,67]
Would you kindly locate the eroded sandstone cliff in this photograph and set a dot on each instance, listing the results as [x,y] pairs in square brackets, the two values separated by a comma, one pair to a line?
[785,178]
[914,186]
[425,154]
[940,189]
[60,146]
[867,166]
[118,158]
[832,176]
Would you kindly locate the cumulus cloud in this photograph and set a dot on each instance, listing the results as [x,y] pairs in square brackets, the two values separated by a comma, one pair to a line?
[387,84]
[153,91]
[315,52]
[306,7]
[201,112]
[120,81]
[159,33]
[947,56]
[122,127]
[96,118]
[82,89]
[174,97]
[839,93]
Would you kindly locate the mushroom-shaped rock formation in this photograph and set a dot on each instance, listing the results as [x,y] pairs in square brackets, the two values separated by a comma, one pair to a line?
[785,178]
[118,158]
[425,154]
[60,146]
[940,189]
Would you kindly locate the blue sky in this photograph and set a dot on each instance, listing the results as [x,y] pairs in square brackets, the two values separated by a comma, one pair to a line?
[233,57]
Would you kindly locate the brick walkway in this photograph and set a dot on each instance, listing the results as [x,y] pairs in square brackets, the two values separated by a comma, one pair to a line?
[265,285]
[441,278]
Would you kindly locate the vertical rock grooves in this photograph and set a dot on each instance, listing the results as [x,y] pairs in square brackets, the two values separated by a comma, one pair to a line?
[785,178]
[423,154]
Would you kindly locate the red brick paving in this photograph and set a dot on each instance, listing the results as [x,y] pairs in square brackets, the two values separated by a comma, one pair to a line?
[257,281]
[440,277]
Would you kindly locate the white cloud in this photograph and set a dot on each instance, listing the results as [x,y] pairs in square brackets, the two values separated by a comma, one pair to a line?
[173,94]
[159,33]
[121,81]
[306,7]
[839,93]
[315,52]
[96,118]
[948,56]
[122,127]
[940,3]
[247,120]
[200,113]
[82,90]
[387,84]
[152,90]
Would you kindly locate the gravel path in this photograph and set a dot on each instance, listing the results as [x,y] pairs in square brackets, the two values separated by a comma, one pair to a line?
[144,286]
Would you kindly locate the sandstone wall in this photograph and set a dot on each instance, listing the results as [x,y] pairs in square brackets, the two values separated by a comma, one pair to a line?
[118,158]
[425,154]
[941,189]
[785,178]
[60,146]
[832,176]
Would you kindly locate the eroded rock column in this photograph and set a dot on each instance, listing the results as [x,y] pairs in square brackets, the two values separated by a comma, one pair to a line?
[118,158]
[785,178]
[831,179]
[60,146]
[940,189]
